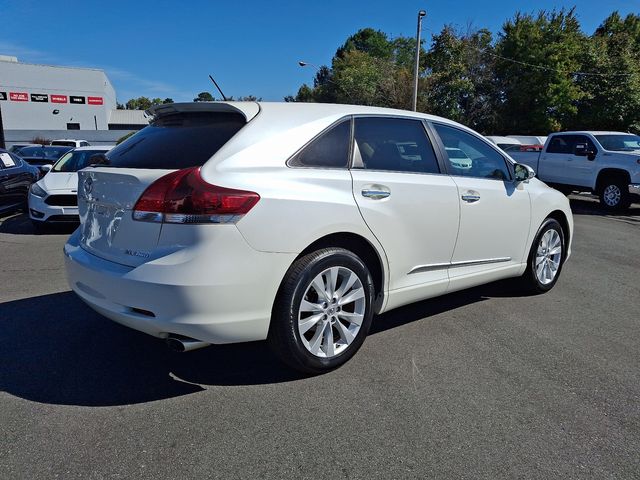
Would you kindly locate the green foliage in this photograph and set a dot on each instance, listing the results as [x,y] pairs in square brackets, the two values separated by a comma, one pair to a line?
[539,100]
[204,97]
[144,103]
[540,74]
[612,101]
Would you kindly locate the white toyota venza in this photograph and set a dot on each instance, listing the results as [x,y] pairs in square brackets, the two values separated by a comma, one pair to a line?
[232,222]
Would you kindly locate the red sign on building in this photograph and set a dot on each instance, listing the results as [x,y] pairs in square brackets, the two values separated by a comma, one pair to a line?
[19,96]
[94,100]
[58,98]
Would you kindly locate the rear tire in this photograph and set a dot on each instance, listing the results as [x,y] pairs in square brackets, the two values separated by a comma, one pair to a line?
[323,311]
[546,258]
[614,194]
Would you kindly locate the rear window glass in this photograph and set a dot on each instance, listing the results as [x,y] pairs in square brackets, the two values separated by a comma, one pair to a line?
[329,150]
[176,141]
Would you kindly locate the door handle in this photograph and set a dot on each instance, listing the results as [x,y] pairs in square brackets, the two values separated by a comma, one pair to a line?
[375,194]
[470,197]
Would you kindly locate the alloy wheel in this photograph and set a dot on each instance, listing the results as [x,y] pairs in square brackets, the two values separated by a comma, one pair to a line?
[612,195]
[331,312]
[548,256]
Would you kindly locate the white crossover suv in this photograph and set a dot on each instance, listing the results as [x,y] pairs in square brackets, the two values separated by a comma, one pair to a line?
[231,222]
[54,197]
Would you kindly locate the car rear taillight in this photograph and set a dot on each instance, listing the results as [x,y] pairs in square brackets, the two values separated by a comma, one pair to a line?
[184,197]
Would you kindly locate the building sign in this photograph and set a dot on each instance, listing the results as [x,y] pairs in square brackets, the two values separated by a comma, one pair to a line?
[73,99]
[19,96]
[94,100]
[3,95]
[58,98]
[39,97]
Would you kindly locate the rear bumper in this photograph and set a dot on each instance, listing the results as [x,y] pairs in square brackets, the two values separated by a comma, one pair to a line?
[217,298]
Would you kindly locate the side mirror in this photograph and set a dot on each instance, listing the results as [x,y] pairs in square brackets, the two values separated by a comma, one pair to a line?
[583,150]
[46,168]
[523,172]
[580,150]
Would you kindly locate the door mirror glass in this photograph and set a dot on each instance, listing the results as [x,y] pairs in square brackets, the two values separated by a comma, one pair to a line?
[584,150]
[523,172]
[580,150]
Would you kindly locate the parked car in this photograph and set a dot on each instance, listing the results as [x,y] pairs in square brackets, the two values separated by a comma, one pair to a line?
[16,147]
[605,163]
[529,139]
[16,176]
[228,222]
[507,144]
[54,198]
[70,142]
[43,156]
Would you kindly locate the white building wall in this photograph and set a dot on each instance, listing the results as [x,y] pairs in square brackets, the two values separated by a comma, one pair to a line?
[22,84]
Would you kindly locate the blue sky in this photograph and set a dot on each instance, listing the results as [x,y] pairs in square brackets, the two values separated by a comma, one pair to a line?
[167,48]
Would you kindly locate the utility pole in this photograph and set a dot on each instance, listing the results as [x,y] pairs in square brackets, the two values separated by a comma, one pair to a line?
[416,71]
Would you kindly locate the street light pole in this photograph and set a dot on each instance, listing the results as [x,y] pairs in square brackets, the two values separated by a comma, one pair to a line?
[416,71]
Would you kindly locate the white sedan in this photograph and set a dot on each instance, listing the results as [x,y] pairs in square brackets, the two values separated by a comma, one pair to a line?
[54,198]
[231,222]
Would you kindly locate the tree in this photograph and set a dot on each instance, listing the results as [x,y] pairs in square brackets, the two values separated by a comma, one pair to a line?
[612,76]
[537,58]
[460,82]
[368,69]
[204,97]
[143,103]
[167,100]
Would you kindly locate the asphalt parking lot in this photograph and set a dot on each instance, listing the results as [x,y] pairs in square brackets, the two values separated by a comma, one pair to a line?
[478,384]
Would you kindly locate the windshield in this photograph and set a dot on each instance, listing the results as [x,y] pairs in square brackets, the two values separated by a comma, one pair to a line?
[75,160]
[619,143]
[64,143]
[51,153]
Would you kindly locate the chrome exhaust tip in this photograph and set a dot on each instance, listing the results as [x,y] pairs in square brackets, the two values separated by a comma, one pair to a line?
[184,344]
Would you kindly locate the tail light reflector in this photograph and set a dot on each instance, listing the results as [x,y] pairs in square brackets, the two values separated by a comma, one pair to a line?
[184,197]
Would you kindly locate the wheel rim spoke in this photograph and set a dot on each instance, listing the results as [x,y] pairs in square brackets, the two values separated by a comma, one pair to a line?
[316,341]
[306,306]
[345,333]
[307,323]
[354,295]
[320,287]
[329,347]
[355,318]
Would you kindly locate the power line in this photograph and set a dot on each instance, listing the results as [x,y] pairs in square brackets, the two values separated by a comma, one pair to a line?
[550,69]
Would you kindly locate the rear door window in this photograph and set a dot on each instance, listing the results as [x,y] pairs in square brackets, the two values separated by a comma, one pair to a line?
[176,141]
[394,144]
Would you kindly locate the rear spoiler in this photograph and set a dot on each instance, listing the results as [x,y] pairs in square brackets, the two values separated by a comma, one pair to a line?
[247,109]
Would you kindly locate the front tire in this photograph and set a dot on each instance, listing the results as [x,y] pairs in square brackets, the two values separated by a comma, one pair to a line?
[546,258]
[323,311]
[614,194]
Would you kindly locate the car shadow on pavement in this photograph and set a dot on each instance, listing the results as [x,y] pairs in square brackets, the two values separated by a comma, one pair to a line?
[56,350]
[589,205]
[20,224]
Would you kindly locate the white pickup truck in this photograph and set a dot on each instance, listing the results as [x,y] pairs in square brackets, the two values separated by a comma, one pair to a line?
[606,163]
